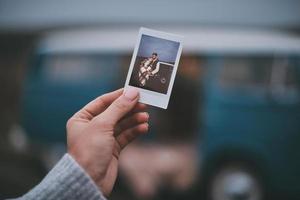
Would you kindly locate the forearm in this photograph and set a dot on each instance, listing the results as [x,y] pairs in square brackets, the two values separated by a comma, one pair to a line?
[67,180]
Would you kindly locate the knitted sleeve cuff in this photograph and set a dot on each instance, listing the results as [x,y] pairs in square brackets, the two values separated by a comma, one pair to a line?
[67,180]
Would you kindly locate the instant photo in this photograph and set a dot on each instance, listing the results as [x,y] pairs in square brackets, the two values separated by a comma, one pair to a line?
[154,65]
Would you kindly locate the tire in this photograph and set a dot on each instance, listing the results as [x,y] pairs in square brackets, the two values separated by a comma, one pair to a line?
[235,182]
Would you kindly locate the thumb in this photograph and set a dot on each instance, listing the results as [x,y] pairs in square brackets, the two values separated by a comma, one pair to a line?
[121,106]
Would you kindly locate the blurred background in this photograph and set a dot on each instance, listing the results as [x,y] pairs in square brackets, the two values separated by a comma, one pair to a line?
[232,129]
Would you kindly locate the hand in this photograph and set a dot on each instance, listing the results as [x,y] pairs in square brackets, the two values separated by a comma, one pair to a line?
[99,131]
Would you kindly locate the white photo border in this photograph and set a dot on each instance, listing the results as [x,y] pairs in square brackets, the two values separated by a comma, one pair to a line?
[151,97]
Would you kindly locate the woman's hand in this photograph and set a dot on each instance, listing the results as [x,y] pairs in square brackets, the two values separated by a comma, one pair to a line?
[98,132]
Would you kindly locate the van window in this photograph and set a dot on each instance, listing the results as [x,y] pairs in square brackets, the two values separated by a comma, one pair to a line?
[245,72]
[284,77]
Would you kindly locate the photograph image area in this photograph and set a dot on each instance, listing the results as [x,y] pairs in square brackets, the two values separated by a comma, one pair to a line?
[154,64]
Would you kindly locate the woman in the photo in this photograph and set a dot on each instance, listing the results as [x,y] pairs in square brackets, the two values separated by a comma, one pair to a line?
[147,68]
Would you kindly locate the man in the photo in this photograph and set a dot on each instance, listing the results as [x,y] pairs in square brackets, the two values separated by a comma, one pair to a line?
[148,67]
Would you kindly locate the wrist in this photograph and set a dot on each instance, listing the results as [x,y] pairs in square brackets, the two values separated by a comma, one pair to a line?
[88,166]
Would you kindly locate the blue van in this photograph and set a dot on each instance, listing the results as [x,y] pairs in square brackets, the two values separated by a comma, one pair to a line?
[251,128]
[250,139]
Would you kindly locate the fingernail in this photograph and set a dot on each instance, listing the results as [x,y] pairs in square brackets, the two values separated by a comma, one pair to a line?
[131,93]
[147,114]
[147,124]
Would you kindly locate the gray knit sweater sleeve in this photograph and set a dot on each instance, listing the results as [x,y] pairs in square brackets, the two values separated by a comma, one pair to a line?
[67,180]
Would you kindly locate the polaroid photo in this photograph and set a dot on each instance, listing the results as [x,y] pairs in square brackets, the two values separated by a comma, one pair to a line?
[154,65]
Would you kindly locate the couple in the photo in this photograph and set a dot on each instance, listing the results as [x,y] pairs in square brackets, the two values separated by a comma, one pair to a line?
[148,67]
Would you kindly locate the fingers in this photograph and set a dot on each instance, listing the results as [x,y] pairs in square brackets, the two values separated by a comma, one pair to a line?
[131,121]
[121,106]
[98,105]
[139,107]
[129,135]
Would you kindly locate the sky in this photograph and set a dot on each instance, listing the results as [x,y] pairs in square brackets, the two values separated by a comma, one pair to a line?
[166,49]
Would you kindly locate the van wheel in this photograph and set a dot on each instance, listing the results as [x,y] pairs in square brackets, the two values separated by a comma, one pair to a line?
[235,182]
